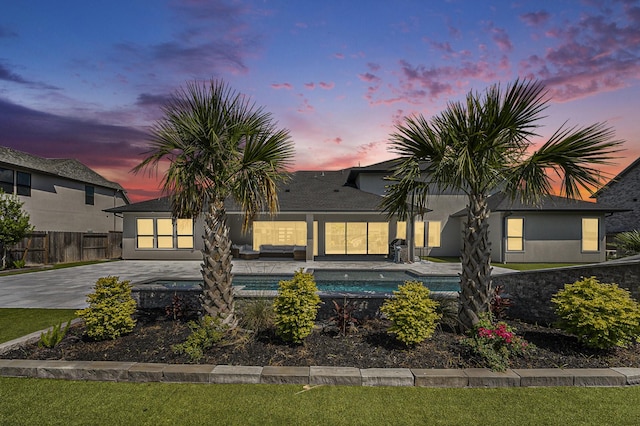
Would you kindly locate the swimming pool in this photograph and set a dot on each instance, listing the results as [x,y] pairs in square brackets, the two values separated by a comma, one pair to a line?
[332,281]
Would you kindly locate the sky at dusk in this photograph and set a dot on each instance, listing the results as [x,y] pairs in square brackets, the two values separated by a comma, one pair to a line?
[85,80]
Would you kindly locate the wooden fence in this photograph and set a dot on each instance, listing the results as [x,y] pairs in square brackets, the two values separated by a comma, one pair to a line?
[62,247]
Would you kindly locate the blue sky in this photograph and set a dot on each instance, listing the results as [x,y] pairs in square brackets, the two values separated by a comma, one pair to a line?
[85,79]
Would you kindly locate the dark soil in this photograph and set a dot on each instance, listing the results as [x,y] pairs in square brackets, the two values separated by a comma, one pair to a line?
[370,346]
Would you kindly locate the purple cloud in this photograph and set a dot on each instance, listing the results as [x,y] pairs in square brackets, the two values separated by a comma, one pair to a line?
[535,19]
[278,86]
[326,86]
[7,75]
[597,53]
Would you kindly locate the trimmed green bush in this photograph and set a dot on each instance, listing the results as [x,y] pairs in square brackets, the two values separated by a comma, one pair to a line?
[296,307]
[204,334]
[602,316]
[412,313]
[110,310]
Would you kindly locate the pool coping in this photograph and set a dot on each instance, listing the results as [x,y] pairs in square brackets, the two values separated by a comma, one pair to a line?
[141,372]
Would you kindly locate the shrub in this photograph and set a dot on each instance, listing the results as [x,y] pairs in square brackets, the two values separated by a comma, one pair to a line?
[257,314]
[495,343]
[54,335]
[206,332]
[412,313]
[296,307]
[110,310]
[343,317]
[499,304]
[628,242]
[602,316]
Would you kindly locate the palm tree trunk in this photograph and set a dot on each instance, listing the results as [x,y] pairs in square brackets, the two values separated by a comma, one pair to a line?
[217,292]
[475,282]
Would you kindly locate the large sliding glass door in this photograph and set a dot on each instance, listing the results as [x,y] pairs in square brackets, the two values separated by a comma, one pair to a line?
[356,237]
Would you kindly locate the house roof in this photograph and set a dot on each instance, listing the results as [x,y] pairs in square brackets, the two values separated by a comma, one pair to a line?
[307,191]
[617,178]
[501,202]
[62,167]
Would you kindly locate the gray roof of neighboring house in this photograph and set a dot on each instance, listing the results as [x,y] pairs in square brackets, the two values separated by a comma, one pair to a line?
[617,178]
[501,202]
[62,167]
[307,191]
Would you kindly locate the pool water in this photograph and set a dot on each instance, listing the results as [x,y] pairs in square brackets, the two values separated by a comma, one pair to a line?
[335,281]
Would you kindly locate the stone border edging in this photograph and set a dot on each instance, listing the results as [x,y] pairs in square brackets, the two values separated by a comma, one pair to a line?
[314,375]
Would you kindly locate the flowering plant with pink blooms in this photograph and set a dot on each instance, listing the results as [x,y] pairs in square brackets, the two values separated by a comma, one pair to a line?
[495,343]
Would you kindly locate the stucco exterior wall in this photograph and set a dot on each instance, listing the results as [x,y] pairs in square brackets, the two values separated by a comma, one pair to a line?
[58,204]
[131,252]
[555,237]
[624,194]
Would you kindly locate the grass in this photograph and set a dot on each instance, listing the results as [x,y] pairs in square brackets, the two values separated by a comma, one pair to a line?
[42,402]
[17,322]
[515,266]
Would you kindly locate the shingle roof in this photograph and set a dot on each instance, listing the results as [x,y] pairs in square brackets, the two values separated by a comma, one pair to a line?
[307,191]
[617,178]
[63,167]
[500,202]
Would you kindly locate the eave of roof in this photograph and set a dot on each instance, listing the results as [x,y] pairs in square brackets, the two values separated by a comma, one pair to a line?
[500,202]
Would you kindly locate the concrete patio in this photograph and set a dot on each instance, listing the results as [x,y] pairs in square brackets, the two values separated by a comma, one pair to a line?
[68,288]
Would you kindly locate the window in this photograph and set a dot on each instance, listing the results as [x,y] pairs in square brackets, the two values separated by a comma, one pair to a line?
[515,234]
[23,184]
[433,233]
[184,233]
[89,193]
[283,233]
[590,232]
[164,233]
[164,230]
[144,232]
[6,180]
[356,238]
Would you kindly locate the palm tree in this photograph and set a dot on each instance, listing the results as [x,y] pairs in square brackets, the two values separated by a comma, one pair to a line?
[219,147]
[483,145]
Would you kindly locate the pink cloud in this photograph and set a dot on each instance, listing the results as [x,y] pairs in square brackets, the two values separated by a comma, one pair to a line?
[279,86]
[326,86]
[305,106]
[373,66]
[501,38]
[598,53]
[336,140]
[368,77]
[535,19]
[339,55]
[310,86]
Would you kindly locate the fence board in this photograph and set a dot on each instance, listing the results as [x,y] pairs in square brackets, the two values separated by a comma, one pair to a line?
[62,247]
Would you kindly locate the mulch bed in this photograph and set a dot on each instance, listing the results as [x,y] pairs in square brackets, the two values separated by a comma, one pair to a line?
[368,347]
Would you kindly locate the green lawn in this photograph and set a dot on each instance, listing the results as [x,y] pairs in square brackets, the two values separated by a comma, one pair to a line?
[44,402]
[41,402]
[15,323]
[515,266]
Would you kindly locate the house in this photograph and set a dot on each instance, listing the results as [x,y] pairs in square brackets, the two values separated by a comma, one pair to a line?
[61,194]
[555,230]
[336,213]
[624,192]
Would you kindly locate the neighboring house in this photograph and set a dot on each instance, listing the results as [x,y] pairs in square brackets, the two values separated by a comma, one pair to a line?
[337,213]
[622,191]
[61,194]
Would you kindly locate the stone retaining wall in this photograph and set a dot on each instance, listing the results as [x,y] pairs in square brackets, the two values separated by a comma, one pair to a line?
[531,291]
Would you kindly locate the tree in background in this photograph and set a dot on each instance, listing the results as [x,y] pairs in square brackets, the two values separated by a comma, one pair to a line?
[219,147]
[479,146]
[14,223]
